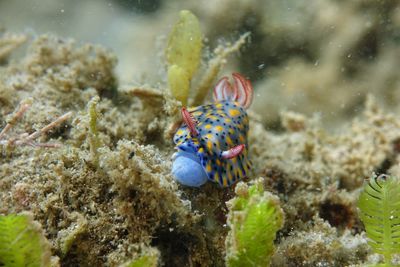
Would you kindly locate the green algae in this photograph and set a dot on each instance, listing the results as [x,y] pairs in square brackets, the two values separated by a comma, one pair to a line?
[179,83]
[93,132]
[22,242]
[215,65]
[254,218]
[183,54]
[379,204]
[144,261]
[148,260]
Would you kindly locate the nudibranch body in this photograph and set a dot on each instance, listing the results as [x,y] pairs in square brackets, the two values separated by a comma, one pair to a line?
[212,142]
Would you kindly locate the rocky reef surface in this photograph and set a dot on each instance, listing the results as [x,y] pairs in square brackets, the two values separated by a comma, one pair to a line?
[323,120]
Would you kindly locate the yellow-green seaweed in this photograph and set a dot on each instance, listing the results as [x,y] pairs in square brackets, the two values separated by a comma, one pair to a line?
[179,83]
[183,54]
[22,242]
[254,218]
[379,205]
[94,140]
[143,261]
[214,67]
[67,237]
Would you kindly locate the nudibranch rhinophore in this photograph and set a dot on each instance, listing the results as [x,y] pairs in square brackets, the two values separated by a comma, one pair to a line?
[212,141]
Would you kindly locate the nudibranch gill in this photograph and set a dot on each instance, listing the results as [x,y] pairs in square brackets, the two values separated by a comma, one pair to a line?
[212,141]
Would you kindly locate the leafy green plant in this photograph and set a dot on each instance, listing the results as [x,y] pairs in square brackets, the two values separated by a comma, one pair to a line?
[183,54]
[94,139]
[150,258]
[254,218]
[144,261]
[22,242]
[379,206]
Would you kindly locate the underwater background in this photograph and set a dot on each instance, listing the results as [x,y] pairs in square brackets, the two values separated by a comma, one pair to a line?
[95,188]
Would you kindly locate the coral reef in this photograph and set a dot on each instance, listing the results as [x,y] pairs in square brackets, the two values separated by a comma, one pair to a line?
[80,204]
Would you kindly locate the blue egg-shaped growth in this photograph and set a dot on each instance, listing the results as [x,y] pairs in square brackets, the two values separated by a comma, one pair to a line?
[187,169]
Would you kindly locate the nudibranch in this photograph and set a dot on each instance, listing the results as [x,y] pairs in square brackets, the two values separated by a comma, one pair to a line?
[212,141]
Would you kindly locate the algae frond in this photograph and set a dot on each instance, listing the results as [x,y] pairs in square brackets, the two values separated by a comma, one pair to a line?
[22,242]
[183,54]
[379,204]
[94,140]
[150,259]
[254,218]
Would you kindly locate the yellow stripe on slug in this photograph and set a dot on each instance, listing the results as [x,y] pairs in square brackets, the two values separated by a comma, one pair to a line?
[229,141]
[208,168]
[224,181]
[216,177]
[219,128]
[234,112]
[197,113]
[209,145]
